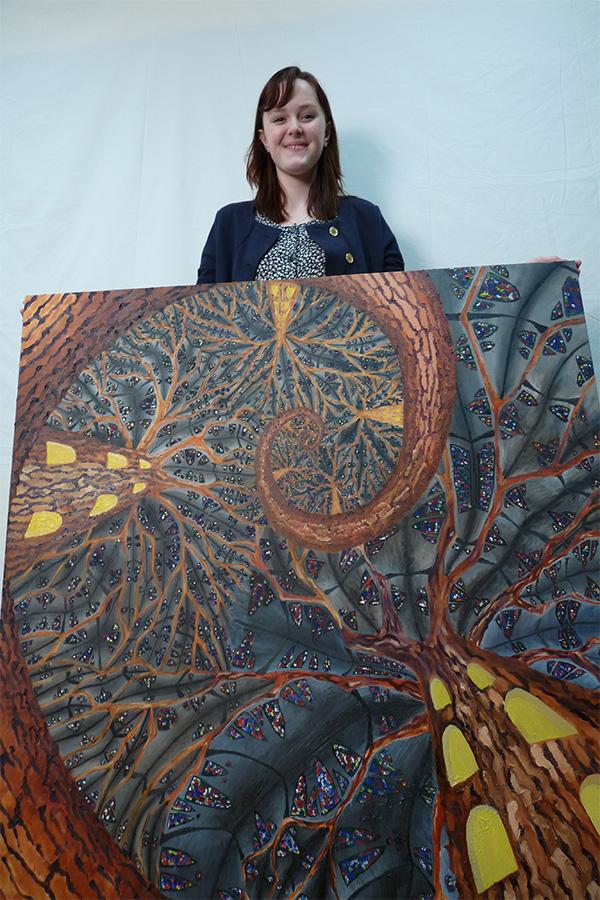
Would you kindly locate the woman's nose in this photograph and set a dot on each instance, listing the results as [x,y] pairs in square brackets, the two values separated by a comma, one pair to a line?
[294,126]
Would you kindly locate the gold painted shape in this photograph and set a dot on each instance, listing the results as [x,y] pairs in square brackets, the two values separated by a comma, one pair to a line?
[480,677]
[144,464]
[458,757]
[391,415]
[283,296]
[104,503]
[139,486]
[490,852]
[589,794]
[115,460]
[439,694]
[43,522]
[58,454]
[536,721]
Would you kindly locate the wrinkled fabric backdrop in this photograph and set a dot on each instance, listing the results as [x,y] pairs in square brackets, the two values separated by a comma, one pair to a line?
[124,124]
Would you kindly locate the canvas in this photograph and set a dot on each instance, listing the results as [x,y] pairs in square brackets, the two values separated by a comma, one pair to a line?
[301,593]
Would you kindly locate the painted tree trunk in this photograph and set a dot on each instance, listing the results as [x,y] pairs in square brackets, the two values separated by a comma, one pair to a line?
[51,845]
[533,786]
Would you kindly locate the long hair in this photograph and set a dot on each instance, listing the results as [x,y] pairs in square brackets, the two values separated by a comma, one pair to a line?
[261,173]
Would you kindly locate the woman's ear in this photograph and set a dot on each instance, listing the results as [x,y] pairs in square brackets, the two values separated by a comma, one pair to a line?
[263,139]
[327,134]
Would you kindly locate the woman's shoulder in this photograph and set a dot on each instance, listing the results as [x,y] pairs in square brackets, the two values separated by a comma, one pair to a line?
[348,203]
[245,209]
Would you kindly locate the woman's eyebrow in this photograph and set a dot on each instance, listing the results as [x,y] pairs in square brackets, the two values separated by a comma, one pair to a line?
[280,109]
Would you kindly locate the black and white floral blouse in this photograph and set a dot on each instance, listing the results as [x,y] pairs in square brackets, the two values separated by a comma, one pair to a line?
[293,255]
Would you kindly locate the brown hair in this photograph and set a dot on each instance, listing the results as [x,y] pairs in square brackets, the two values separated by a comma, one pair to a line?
[260,169]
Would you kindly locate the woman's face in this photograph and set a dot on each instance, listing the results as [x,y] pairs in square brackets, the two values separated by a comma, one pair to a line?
[294,135]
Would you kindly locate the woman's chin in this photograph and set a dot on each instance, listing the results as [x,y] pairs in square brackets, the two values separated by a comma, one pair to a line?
[299,171]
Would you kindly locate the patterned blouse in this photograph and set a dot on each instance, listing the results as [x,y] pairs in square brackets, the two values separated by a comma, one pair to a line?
[293,255]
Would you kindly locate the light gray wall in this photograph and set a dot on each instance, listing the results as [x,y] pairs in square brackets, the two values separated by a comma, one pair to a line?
[475,126]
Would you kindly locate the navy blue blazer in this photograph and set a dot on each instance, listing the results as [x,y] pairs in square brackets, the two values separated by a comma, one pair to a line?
[358,240]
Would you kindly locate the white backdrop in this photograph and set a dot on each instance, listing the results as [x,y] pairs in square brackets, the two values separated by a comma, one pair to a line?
[475,124]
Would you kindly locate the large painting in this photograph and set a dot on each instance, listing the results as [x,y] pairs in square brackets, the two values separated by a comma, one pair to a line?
[301,591]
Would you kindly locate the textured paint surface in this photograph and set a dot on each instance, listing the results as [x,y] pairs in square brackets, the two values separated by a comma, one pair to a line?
[490,852]
[590,799]
[392,414]
[115,461]
[440,696]
[480,676]
[535,720]
[104,503]
[59,454]
[235,663]
[42,523]
[458,756]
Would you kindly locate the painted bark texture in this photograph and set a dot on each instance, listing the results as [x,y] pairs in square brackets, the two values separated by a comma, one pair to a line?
[50,844]
[70,493]
[535,788]
[408,311]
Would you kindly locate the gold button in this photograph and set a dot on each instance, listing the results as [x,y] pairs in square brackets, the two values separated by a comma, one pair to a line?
[349,258]
[333,231]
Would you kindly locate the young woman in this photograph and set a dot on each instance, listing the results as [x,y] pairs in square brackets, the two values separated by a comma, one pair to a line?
[300,225]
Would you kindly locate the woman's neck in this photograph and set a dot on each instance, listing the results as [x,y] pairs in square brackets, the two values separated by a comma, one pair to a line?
[296,193]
